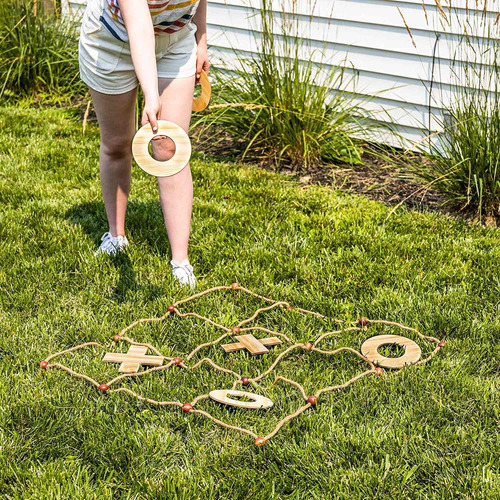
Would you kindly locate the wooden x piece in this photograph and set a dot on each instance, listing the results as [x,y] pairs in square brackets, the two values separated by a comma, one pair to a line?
[255,346]
[133,359]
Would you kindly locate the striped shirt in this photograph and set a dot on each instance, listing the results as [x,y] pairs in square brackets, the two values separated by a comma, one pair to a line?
[168,16]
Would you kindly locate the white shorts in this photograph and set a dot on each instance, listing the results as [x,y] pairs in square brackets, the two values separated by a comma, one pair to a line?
[106,63]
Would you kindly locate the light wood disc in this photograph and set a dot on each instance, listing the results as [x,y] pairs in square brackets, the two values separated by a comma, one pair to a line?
[161,168]
[258,401]
[200,103]
[370,347]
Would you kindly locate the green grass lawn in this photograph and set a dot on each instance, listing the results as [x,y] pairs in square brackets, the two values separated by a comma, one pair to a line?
[429,431]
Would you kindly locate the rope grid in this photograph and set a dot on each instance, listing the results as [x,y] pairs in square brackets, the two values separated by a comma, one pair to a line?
[309,400]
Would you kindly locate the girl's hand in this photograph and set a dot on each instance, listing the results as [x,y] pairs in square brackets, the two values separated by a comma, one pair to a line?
[151,112]
[202,59]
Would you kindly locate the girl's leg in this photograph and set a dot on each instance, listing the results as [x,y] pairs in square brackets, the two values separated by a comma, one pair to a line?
[176,191]
[116,117]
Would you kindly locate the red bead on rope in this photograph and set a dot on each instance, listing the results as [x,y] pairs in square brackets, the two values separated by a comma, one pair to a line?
[116,338]
[379,371]
[103,388]
[308,346]
[363,321]
[442,343]
[235,286]
[245,380]
[44,364]
[312,400]
[260,441]
[171,308]
[177,361]
[289,307]
[235,329]
[187,407]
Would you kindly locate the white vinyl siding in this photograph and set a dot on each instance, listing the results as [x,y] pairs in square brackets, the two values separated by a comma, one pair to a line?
[371,37]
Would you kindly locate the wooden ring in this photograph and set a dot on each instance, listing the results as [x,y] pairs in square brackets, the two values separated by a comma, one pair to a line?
[370,347]
[258,401]
[200,103]
[161,168]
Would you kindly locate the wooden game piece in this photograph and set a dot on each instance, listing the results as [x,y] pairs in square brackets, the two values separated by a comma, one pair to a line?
[249,342]
[133,359]
[200,103]
[161,168]
[370,347]
[258,401]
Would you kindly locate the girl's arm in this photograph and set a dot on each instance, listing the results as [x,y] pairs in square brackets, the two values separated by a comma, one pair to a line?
[139,25]
[200,19]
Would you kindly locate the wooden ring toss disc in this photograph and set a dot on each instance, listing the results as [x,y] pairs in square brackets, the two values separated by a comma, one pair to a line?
[200,103]
[258,401]
[370,347]
[161,168]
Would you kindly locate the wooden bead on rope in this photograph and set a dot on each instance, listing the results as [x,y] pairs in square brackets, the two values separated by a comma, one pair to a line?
[308,346]
[260,441]
[312,400]
[363,321]
[103,387]
[442,343]
[43,365]
[235,329]
[379,371]
[200,103]
[177,361]
[171,308]
[235,286]
[187,407]
[245,380]
[116,338]
[154,167]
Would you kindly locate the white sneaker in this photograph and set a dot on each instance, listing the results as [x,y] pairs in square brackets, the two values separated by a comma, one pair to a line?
[112,244]
[183,273]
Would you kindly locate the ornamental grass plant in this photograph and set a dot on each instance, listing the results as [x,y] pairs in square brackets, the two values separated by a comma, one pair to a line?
[38,51]
[284,103]
[462,160]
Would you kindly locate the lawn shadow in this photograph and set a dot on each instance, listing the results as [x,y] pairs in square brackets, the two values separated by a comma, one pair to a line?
[144,221]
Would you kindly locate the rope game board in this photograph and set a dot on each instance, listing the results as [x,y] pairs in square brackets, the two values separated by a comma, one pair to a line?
[137,356]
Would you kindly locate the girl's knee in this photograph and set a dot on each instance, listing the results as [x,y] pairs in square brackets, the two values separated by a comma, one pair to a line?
[117,148]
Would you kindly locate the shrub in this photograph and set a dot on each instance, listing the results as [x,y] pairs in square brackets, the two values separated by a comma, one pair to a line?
[39,51]
[283,104]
